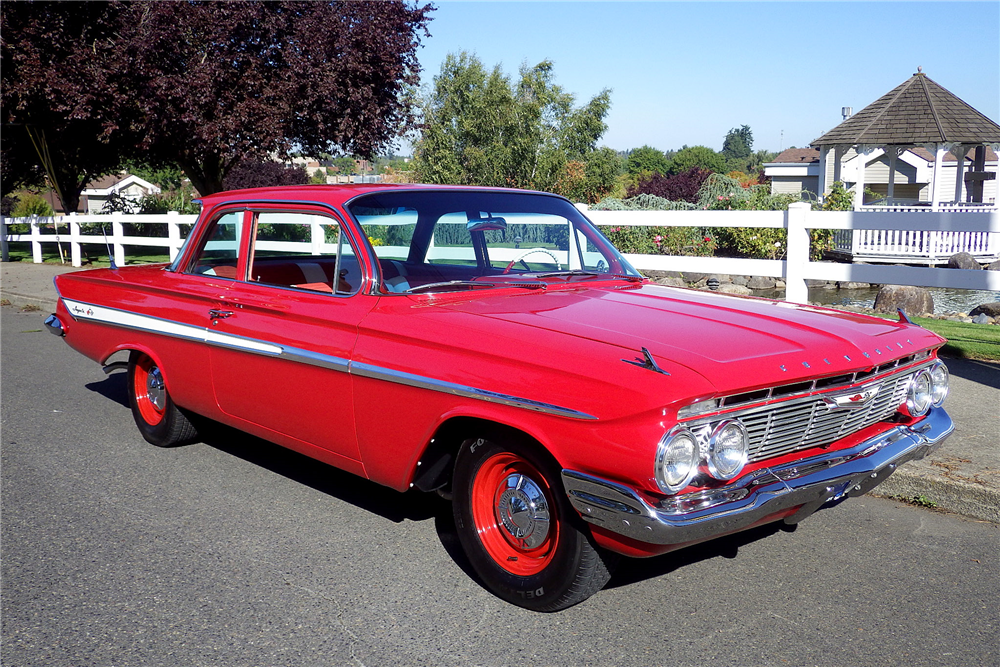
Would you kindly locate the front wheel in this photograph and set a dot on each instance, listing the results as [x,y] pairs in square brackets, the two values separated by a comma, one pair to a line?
[518,530]
[160,421]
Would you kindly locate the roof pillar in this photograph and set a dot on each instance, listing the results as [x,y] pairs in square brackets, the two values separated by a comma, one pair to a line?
[893,152]
[960,171]
[939,151]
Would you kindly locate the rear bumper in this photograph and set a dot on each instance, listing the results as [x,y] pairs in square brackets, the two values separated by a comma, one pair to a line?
[807,484]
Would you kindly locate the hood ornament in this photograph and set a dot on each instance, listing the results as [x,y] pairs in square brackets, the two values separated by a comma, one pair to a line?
[854,400]
[647,362]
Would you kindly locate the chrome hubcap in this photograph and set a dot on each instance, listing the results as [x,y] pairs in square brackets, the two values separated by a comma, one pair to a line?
[154,388]
[523,511]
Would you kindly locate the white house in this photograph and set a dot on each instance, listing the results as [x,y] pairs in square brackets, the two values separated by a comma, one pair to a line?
[126,185]
[798,169]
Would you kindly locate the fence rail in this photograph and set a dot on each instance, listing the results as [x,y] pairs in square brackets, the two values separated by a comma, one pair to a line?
[795,269]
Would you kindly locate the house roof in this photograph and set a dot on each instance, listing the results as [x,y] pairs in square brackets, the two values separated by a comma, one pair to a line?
[797,156]
[918,111]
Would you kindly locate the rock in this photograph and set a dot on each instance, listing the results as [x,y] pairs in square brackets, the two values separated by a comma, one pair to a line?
[733,288]
[989,309]
[963,260]
[721,277]
[780,284]
[903,297]
[848,285]
[670,282]
[703,283]
[694,277]
[815,283]
[965,320]
[995,266]
[760,282]
[741,280]
[982,318]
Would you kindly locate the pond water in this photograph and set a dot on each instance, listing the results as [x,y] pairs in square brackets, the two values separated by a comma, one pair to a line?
[946,300]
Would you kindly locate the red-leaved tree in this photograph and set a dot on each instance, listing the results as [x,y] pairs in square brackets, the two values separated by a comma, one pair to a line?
[682,187]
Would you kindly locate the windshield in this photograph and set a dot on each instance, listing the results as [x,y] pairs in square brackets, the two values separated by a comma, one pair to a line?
[452,240]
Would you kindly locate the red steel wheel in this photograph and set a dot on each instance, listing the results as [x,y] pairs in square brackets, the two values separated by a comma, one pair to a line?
[517,527]
[150,394]
[510,509]
[160,421]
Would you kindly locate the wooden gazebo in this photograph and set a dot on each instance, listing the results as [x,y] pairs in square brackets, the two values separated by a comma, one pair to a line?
[918,113]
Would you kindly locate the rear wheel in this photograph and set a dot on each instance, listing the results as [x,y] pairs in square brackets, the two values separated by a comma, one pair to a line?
[160,421]
[518,530]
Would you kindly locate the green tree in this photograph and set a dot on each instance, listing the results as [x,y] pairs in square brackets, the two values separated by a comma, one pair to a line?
[480,128]
[701,157]
[647,159]
[343,164]
[738,144]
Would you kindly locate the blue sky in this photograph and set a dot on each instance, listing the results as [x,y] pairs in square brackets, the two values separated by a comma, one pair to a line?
[685,73]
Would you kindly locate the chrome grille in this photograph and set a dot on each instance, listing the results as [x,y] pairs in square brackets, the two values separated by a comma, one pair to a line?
[800,423]
[779,429]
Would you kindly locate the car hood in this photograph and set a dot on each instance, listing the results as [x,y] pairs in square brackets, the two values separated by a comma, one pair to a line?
[735,342]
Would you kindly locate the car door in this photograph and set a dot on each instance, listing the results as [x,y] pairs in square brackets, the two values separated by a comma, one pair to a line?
[282,340]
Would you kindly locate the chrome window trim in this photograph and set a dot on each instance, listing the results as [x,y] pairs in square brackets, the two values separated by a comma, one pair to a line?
[147,323]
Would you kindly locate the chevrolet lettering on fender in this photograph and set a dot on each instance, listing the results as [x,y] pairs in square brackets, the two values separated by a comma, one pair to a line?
[492,346]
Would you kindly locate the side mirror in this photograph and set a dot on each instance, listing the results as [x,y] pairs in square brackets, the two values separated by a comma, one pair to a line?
[486,225]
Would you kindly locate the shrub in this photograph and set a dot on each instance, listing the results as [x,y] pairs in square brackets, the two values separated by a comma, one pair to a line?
[682,187]
[29,204]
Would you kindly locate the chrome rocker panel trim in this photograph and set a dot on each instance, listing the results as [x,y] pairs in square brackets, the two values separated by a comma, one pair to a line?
[809,484]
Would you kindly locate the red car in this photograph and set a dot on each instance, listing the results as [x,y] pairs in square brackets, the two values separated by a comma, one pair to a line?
[492,346]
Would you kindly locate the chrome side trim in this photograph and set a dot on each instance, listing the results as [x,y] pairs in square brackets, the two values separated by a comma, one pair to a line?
[808,485]
[147,323]
[421,382]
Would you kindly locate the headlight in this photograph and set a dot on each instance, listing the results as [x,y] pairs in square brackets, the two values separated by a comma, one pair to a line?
[939,384]
[918,394]
[728,448]
[676,460]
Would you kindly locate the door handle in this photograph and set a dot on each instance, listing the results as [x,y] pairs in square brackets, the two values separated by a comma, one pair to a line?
[217,314]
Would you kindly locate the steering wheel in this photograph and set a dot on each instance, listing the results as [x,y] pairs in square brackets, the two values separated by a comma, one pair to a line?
[529,251]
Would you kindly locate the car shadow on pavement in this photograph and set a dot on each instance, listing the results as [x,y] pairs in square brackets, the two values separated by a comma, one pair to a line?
[387,503]
[982,372]
[635,570]
[111,387]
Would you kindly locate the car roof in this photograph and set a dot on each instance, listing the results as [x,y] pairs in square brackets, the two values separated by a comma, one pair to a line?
[334,194]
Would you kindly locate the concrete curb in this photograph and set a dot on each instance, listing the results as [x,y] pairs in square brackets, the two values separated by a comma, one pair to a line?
[970,500]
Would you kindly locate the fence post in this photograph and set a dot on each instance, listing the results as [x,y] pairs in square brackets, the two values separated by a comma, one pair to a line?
[796,289]
[36,240]
[173,234]
[117,234]
[4,248]
[74,241]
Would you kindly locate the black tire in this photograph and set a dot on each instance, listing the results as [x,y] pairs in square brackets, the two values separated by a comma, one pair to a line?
[160,421]
[518,529]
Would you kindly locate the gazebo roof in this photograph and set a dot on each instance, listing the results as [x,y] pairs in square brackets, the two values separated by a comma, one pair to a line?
[918,111]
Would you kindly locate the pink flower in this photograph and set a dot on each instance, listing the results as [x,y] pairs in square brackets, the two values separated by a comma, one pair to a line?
[658,238]
[720,197]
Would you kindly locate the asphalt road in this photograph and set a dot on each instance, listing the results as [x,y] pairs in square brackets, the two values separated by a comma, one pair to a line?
[237,552]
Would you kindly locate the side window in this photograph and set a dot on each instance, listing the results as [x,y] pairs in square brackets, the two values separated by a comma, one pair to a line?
[220,254]
[303,251]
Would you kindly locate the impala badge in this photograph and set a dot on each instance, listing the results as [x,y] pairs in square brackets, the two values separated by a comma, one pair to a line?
[854,400]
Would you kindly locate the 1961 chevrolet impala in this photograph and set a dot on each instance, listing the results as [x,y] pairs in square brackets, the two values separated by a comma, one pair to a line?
[491,345]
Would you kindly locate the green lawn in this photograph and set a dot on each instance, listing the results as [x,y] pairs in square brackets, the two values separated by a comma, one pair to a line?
[94,258]
[969,341]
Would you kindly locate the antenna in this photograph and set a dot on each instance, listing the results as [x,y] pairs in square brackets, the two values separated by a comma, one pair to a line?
[111,255]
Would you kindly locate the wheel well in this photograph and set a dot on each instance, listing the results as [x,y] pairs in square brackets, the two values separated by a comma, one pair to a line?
[438,461]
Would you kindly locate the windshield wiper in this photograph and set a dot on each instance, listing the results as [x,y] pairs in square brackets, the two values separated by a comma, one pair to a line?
[470,284]
[583,272]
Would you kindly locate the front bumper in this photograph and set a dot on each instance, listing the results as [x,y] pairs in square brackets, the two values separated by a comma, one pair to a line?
[807,484]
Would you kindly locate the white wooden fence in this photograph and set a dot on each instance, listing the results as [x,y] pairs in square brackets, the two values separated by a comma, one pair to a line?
[795,269]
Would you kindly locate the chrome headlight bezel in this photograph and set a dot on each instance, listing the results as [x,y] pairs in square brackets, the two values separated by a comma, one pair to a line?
[940,378]
[714,450]
[919,395]
[672,447]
